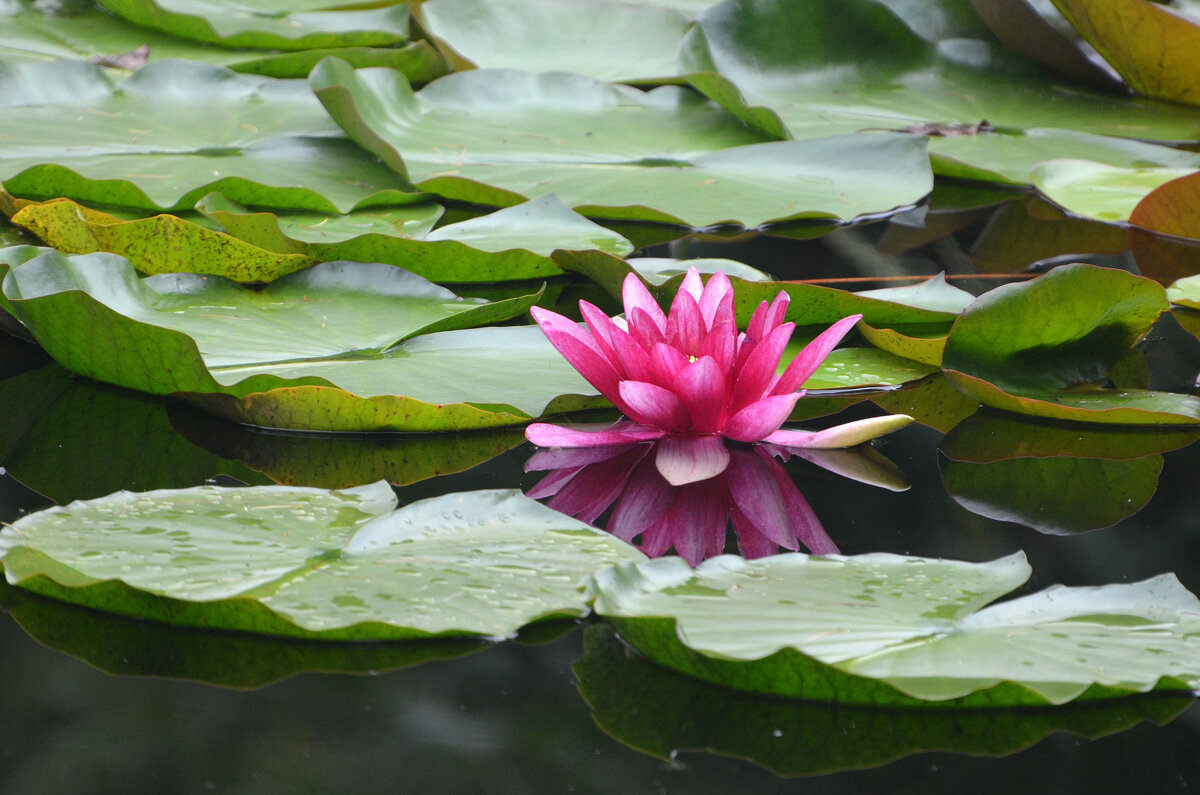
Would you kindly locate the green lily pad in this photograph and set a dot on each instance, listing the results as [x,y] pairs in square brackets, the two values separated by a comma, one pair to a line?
[270,24]
[131,647]
[606,40]
[931,401]
[175,131]
[610,150]
[512,243]
[660,712]
[1155,50]
[1172,208]
[860,367]
[1185,292]
[322,349]
[1045,347]
[1031,230]
[891,630]
[35,31]
[854,66]
[336,565]
[1094,190]
[73,439]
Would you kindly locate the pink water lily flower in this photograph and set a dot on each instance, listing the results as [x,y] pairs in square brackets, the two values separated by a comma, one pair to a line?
[691,379]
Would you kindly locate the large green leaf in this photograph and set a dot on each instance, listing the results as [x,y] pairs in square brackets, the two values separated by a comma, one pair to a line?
[887,629]
[1104,192]
[175,131]
[854,65]
[132,647]
[498,137]
[317,350]
[603,39]
[659,712]
[1045,347]
[340,565]
[271,24]
[72,439]
[35,31]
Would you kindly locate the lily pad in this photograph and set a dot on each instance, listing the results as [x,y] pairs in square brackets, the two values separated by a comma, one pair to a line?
[270,24]
[853,66]
[1045,347]
[1032,231]
[323,349]
[337,565]
[887,629]
[930,401]
[1185,292]
[659,712]
[1172,208]
[1094,190]
[175,131]
[610,150]
[602,39]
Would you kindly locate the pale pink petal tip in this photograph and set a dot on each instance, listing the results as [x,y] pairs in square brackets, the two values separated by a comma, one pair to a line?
[849,434]
[691,459]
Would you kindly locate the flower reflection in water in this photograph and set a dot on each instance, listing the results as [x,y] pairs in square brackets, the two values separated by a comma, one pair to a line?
[753,492]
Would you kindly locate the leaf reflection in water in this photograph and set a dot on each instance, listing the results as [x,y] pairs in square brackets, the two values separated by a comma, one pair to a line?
[754,493]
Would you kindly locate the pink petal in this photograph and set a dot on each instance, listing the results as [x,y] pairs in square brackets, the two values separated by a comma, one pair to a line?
[650,404]
[778,310]
[646,499]
[716,302]
[602,328]
[579,348]
[697,522]
[760,419]
[552,483]
[692,285]
[572,457]
[644,329]
[758,321]
[690,459]
[756,493]
[633,360]
[751,543]
[805,525]
[657,538]
[721,345]
[685,326]
[807,361]
[756,375]
[667,363]
[701,386]
[595,487]
[845,435]
[634,295]
[543,434]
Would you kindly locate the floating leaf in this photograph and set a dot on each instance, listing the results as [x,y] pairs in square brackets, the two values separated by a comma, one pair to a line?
[318,350]
[132,647]
[605,40]
[1031,231]
[930,401]
[610,150]
[270,24]
[175,131]
[1045,347]
[659,712]
[860,367]
[852,66]
[1094,190]
[1172,208]
[337,565]
[1155,50]
[1185,292]
[892,630]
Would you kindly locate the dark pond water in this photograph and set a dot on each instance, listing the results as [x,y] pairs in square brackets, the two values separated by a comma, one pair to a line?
[95,703]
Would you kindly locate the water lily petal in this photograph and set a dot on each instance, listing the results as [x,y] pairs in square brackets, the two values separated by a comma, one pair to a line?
[580,349]
[721,345]
[634,295]
[716,302]
[846,435]
[815,352]
[552,483]
[650,404]
[644,329]
[778,310]
[690,459]
[697,522]
[543,434]
[751,543]
[645,501]
[701,386]
[594,488]
[667,363]
[685,327]
[657,538]
[567,457]
[805,524]
[758,321]
[866,465]
[633,360]
[756,374]
[692,285]
[756,493]
[760,419]
[602,329]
